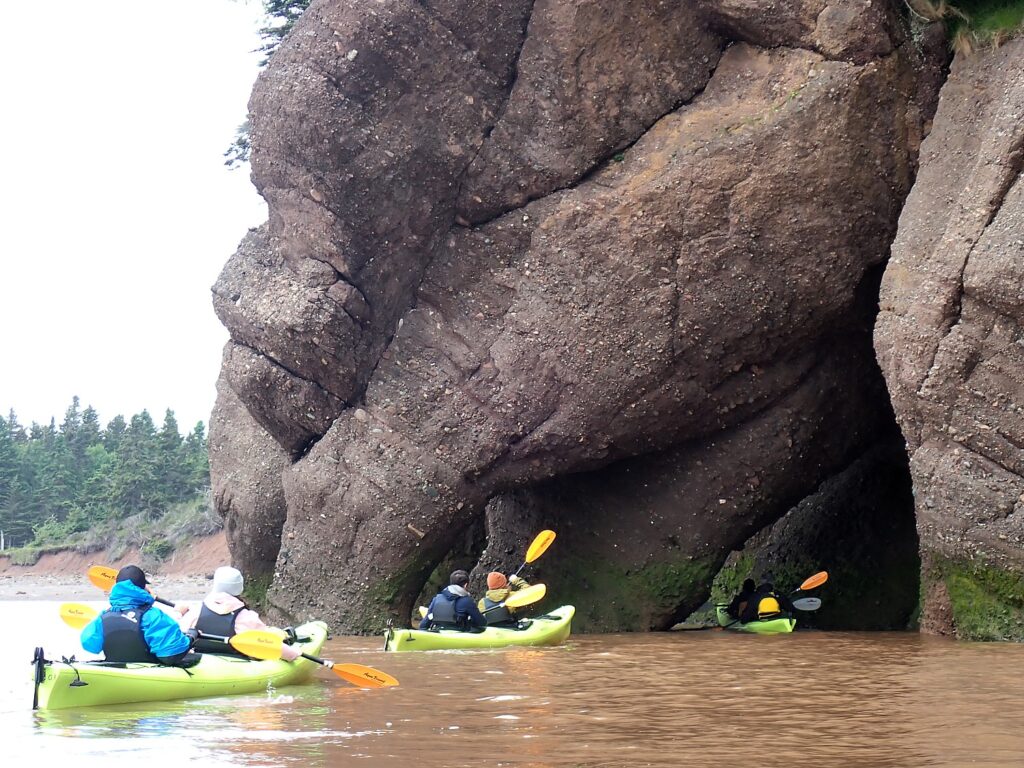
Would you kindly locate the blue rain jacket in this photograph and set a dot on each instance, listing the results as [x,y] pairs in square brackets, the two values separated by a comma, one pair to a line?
[159,629]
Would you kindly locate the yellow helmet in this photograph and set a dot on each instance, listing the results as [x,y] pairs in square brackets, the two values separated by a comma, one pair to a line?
[768,606]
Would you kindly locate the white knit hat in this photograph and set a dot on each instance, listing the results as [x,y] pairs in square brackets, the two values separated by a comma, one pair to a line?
[228,579]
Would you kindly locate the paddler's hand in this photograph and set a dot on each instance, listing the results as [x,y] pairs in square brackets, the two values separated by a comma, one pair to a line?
[181,608]
[515,581]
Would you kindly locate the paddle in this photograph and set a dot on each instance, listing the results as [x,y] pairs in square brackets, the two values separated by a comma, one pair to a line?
[104,577]
[537,548]
[807,604]
[77,615]
[811,582]
[527,596]
[258,643]
[261,644]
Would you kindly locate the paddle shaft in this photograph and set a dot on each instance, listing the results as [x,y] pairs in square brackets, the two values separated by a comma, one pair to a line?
[104,577]
[317,660]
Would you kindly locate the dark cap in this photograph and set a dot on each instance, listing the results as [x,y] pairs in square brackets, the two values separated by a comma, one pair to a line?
[133,574]
[459,577]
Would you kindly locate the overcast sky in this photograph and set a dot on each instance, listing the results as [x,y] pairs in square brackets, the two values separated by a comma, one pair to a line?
[116,210]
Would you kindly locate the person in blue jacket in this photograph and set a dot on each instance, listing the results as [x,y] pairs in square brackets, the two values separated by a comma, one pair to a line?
[132,629]
[453,608]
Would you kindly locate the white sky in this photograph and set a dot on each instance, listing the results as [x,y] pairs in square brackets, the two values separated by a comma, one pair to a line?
[116,210]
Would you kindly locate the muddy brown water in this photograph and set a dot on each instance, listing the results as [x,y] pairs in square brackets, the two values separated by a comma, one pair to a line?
[709,698]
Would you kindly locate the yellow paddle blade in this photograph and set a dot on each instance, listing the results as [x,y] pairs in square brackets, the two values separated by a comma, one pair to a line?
[364,677]
[77,615]
[527,596]
[815,581]
[257,643]
[539,545]
[102,576]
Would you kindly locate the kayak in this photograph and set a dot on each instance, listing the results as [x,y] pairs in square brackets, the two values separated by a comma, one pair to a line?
[64,684]
[776,626]
[550,629]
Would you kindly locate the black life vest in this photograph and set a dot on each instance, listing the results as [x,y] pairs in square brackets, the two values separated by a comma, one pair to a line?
[443,616]
[123,640]
[496,613]
[218,624]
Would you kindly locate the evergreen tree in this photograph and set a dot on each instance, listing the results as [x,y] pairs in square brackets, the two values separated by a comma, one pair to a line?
[135,484]
[15,429]
[57,485]
[113,434]
[173,472]
[196,457]
[8,463]
[281,17]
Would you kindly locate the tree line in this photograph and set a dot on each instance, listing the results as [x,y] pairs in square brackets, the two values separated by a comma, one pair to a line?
[65,479]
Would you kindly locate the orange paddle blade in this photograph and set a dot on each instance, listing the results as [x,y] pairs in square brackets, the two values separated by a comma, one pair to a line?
[257,643]
[102,576]
[364,677]
[540,545]
[815,581]
[77,615]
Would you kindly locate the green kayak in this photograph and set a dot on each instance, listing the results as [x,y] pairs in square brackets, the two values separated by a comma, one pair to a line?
[550,629]
[90,683]
[763,627]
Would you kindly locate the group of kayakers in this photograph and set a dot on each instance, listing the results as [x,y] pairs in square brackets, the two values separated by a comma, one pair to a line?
[759,602]
[453,607]
[130,630]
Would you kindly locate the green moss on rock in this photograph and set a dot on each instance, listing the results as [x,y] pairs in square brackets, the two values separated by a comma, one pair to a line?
[610,598]
[987,602]
[255,594]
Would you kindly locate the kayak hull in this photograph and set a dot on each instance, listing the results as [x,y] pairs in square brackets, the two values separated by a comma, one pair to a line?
[62,684]
[781,625]
[551,629]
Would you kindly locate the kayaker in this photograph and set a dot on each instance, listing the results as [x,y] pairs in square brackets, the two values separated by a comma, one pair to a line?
[498,590]
[740,601]
[453,607]
[766,603]
[223,613]
[132,629]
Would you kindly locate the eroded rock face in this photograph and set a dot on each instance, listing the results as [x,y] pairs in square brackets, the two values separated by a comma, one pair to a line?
[686,289]
[948,339]
[246,465]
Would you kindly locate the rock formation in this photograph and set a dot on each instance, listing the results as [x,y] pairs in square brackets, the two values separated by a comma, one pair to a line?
[949,343]
[614,272]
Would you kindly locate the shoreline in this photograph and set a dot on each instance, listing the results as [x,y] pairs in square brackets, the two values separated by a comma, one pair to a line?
[68,588]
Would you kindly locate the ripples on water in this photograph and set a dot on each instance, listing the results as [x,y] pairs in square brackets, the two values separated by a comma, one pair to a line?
[872,700]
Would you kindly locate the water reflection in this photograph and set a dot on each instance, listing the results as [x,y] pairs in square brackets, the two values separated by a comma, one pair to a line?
[696,699]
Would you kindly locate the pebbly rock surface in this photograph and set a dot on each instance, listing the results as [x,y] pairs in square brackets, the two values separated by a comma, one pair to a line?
[547,253]
[949,342]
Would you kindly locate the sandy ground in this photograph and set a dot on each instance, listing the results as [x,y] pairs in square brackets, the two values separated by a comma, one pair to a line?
[62,576]
[32,586]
